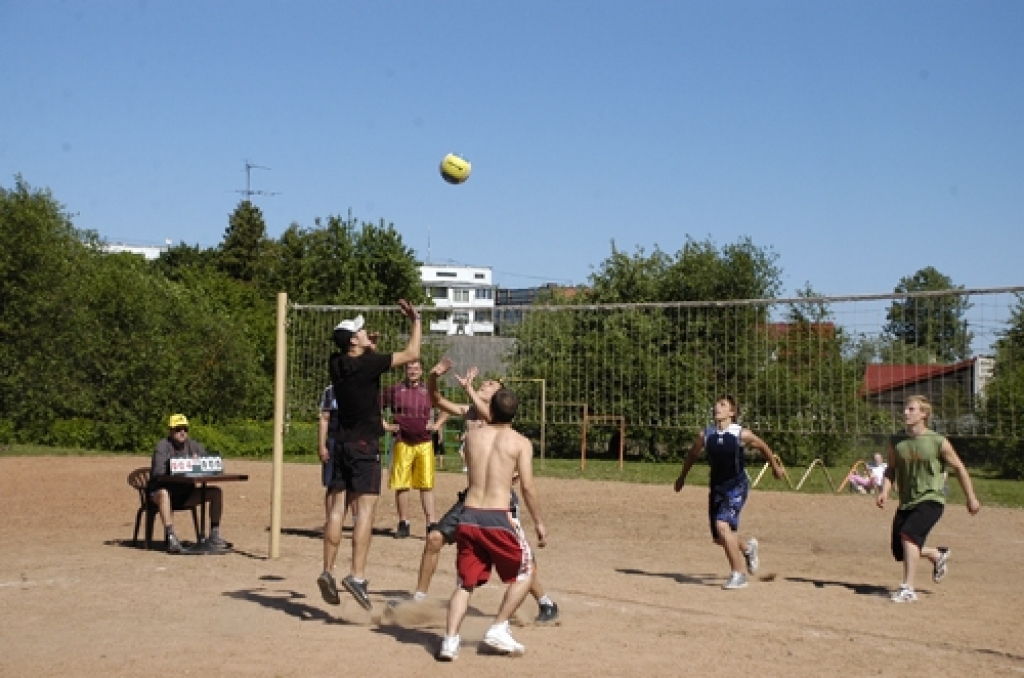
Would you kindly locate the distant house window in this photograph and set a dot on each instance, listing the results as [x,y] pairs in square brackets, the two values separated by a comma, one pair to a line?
[484,293]
[438,292]
[460,295]
[483,316]
[479,276]
[446,274]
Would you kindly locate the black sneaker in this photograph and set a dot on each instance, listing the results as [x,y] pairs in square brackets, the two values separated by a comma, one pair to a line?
[358,591]
[328,588]
[218,541]
[548,614]
[403,530]
[173,545]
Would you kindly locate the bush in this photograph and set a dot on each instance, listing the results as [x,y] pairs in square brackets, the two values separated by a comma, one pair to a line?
[6,432]
[75,433]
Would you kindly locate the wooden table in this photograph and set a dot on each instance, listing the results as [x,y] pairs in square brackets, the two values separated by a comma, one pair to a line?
[203,547]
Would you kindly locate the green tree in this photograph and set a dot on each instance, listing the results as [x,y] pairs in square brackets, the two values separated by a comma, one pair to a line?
[341,262]
[40,308]
[388,267]
[244,240]
[1004,395]
[660,366]
[934,323]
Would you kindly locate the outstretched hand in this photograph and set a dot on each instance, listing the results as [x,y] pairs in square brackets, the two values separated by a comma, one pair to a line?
[467,381]
[442,367]
[408,310]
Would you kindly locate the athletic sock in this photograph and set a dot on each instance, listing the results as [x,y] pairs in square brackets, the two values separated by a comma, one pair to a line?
[419,595]
[544,600]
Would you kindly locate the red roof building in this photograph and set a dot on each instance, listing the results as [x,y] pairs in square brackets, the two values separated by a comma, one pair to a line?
[956,385]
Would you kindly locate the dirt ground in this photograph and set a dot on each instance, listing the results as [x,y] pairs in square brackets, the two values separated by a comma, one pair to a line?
[631,567]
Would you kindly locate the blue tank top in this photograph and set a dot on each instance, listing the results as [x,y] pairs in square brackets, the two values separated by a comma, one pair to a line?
[725,453]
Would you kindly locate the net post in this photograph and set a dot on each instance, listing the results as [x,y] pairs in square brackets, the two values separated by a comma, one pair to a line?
[280,372]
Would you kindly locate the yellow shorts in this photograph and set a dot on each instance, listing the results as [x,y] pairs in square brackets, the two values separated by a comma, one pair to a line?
[412,466]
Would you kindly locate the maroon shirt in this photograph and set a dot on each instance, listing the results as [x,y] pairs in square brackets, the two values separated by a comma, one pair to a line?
[410,409]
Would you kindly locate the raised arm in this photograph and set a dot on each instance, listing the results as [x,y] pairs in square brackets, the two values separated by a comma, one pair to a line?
[441,403]
[411,351]
[482,407]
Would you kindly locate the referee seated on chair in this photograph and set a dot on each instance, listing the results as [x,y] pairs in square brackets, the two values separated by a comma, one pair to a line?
[170,497]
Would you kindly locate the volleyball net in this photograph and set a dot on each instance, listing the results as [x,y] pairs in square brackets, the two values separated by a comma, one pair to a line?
[809,374]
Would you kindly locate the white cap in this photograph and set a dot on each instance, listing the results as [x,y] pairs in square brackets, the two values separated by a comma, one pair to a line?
[351,325]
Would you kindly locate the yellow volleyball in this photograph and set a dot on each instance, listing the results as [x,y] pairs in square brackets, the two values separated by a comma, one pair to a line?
[455,169]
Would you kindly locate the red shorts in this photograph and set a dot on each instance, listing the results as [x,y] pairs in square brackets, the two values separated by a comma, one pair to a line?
[488,538]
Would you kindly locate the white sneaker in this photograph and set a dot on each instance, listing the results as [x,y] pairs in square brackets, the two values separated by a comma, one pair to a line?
[753,562]
[449,651]
[737,580]
[904,594]
[499,638]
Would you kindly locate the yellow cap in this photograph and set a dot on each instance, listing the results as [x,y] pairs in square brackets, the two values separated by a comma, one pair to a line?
[177,420]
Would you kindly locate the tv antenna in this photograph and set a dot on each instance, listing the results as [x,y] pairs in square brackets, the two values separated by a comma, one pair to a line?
[248,192]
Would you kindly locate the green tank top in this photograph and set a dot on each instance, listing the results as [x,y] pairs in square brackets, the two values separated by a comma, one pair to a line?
[919,469]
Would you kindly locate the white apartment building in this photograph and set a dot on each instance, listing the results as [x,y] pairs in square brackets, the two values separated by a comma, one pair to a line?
[147,251]
[464,297]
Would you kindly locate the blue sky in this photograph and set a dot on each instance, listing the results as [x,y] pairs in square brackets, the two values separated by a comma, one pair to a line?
[861,141]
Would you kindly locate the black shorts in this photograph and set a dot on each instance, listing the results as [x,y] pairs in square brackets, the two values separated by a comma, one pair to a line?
[178,492]
[914,524]
[356,467]
[450,521]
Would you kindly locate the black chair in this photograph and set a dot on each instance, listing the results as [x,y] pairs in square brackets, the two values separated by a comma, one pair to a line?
[139,479]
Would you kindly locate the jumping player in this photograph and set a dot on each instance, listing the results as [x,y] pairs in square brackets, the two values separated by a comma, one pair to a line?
[355,374]
[442,533]
[917,463]
[729,485]
[486,536]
